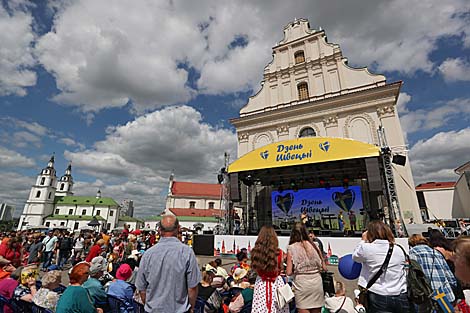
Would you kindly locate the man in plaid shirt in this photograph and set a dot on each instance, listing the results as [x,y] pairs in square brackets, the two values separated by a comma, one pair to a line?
[433,264]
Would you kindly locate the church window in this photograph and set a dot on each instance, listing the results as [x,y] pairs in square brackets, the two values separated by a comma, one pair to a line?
[62,223]
[299,57]
[111,213]
[38,194]
[68,189]
[75,226]
[98,212]
[84,212]
[49,195]
[307,132]
[211,205]
[108,226]
[192,204]
[62,186]
[302,89]
[70,211]
[47,224]
[56,211]
[43,179]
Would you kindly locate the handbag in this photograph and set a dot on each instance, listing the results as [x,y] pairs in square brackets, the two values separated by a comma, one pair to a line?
[363,295]
[328,283]
[284,295]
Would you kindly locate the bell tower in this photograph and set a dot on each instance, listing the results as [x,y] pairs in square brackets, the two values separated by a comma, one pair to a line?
[40,202]
[65,184]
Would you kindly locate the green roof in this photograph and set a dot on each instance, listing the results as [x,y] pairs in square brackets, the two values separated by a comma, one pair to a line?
[130,219]
[75,217]
[78,200]
[185,218]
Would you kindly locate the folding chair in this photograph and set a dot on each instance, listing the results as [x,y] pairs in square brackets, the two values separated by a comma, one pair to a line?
[117,305]
[39,309]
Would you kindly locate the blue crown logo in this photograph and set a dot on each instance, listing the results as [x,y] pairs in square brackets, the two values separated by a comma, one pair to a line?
[325,146]
[264,155]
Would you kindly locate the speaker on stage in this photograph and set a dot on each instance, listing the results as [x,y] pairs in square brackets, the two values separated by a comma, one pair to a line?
[235,195]
[399,159]
[373,174]
[203,245]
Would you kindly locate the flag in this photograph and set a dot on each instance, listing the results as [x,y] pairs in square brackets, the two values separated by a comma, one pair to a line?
[442,300]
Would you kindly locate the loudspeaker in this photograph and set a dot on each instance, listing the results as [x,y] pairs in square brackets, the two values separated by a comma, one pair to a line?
[399,159]
[235,195]
[203,245]
[373,174]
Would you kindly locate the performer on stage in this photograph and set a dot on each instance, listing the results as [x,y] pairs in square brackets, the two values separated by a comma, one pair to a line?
[304,217]
[352,220]
[340,220]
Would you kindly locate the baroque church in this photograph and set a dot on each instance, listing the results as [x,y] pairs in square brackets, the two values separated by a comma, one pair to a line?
[51,203]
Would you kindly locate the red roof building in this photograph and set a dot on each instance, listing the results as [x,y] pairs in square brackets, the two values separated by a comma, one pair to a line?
[435,185]
[212,191]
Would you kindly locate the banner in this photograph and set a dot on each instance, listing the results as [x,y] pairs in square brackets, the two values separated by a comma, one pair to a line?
[334,208]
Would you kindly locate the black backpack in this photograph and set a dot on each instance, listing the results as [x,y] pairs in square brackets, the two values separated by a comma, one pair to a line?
[65,243]
[419,286]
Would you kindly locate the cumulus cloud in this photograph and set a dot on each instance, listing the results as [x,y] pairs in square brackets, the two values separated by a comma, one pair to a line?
[16,53]
[426,119]
[139,53]
[455,70]
[71,143]
[402,101]
[12,159]
[14,189]
[136,159]
[435,159]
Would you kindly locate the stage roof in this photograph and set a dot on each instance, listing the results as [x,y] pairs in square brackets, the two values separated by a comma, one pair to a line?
[301,151]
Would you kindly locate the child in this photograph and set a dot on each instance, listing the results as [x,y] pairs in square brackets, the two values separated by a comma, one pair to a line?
[339,303]
[359,307]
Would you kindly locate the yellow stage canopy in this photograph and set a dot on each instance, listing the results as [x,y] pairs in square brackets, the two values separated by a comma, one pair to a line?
[303,151]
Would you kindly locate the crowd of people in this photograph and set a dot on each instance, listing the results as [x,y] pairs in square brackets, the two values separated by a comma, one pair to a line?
[129,272]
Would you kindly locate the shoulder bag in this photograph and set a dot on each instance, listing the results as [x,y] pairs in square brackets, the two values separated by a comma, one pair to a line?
[284,295]
[363,296]
[326,276]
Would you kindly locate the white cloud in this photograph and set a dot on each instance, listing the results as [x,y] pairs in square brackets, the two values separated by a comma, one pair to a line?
[16,59]
[14,189]
[435,159]
[71,143]
[12,159]
[121,52]
[402,101]
[136,159]
[455,70]
[426,119]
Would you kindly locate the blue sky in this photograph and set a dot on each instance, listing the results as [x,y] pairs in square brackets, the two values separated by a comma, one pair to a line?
[131,91]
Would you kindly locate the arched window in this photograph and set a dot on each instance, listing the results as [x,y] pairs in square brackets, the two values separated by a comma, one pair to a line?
[43,179]
[38,194]
[50,195]
[299,57]
[62,186]
[307,132]
[302,88]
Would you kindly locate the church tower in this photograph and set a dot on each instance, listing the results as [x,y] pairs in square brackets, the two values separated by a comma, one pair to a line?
[65,184]
[40,202]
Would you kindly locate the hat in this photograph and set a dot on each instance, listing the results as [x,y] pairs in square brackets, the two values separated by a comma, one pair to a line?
[124,272]
[134,255]
[239,273]
[4,261]
[356,293]
[98,264]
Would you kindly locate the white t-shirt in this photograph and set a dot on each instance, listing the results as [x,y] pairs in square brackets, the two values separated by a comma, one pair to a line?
[79,243]
[392,282]
[334,303]
[49,243]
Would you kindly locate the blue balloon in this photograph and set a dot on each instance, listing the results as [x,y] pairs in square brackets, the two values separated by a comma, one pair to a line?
[348,268]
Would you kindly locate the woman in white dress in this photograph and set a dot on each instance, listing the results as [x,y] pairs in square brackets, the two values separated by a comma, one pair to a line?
[266,260]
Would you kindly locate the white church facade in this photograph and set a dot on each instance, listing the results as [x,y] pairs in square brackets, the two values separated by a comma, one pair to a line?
[308,89]
[51,203]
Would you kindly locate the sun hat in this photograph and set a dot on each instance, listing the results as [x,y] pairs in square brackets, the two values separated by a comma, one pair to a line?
[124,272]
[98,264]
[239,273]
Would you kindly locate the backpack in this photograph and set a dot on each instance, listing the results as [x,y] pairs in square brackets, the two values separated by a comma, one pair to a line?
[65,243]
[419,286]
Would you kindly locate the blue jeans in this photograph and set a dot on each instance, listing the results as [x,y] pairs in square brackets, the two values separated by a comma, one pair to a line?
[388,304]
[63,257]
[47,259]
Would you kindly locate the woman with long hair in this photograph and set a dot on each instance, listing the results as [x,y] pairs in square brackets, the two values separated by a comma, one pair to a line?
[305,262]
[266,260]
[389,293]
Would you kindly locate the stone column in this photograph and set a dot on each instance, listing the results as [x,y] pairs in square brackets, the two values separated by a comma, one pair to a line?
[331,126]
[243,144]
[282,132]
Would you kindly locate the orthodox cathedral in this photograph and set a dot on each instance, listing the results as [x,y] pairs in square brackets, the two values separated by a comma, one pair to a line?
[51,203]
